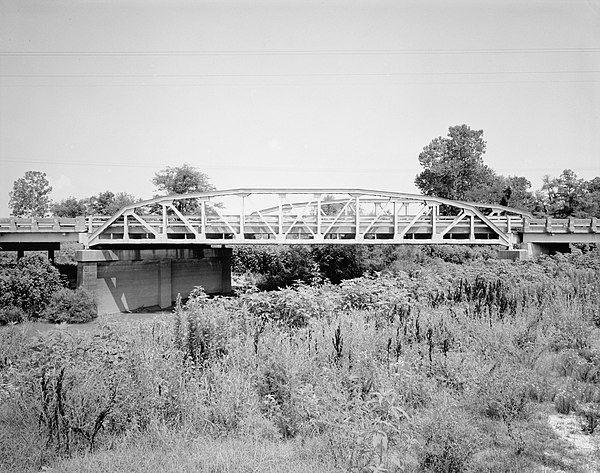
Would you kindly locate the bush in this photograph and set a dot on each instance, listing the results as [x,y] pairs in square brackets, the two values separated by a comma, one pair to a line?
[71,306]
[450,441]
[565,402]
[11,315]
[504,394]
[338,263]
[589,416]
[279,266]
[29,284]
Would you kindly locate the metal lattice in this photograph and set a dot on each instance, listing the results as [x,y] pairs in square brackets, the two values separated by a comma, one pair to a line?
[304,216]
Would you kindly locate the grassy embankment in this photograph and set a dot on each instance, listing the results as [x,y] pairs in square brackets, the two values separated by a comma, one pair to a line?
[446,367]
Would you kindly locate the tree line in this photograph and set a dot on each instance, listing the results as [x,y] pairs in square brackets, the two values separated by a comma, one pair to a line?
[30,196]
[453,168]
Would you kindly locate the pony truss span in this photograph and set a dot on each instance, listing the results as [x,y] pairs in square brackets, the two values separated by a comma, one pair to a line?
[303,216]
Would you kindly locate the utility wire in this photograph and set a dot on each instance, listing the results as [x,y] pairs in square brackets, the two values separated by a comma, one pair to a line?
[308,52]
[315,74]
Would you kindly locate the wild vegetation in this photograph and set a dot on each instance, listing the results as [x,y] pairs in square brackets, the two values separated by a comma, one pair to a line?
[354,359]
[440,367]
[32,288]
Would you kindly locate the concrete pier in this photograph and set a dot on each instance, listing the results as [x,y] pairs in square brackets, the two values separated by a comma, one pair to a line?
[123,280]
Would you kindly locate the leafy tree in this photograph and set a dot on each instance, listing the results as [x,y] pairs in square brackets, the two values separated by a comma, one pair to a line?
[29,284]
[517,193]
[183,179]
[30,195]
[511,191]
[566,194]
[453,166]
[109,203]
[70,207]
[329,207]
[594,185]
[592,202]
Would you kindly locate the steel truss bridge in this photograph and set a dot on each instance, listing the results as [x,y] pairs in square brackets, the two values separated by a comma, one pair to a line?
[303,216]
[298,216]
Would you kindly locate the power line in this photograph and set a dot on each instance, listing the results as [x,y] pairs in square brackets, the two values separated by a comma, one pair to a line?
[308,52]
[296,168]
[314,74]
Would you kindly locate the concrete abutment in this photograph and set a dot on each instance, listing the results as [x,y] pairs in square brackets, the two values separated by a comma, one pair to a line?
[123,280]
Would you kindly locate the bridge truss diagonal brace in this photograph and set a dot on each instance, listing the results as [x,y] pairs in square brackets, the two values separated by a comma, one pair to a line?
[339,214]
[185,221]
[501,235]
[464,213]
[379,214]
[142,222]
[300,218]
[94,236]
[223,219]
[262,217]
[424,209]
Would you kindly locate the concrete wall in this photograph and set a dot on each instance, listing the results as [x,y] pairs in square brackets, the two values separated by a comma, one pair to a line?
[125,280]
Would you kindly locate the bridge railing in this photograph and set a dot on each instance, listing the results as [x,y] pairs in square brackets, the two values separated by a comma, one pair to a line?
[43,225]
[268,227]
[559,226]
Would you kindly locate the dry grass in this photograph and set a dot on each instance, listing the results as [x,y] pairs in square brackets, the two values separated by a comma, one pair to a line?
[173,453]
[392,374]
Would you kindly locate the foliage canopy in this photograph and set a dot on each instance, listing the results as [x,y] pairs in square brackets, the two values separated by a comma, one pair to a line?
[184,179]
[454,165]
[30,195]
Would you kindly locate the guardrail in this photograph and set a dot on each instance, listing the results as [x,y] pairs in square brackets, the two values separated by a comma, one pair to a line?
[91,223]
[43,225]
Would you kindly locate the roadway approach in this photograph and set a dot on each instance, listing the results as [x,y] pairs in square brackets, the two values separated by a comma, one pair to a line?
[149,252]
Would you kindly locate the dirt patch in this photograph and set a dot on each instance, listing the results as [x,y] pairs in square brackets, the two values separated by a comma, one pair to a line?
[32,329]
[585,447]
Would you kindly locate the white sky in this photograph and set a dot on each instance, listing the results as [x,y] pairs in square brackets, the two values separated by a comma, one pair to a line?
[101,94]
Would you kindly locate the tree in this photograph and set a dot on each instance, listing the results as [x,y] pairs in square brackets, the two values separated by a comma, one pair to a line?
[511,191]
[566,195]
[30,195]
[29,284]
[592,201]
[453,166]
[183,179]
[70,207]
[330,207]
[517,193]
[109,203]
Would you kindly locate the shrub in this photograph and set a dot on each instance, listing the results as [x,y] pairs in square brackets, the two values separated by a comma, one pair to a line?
[71,306]
[338,263]
[589,415]
[280,267]
[29,284]
[564,403]
[504,394]
[273,387]
[11,315]
[449,442]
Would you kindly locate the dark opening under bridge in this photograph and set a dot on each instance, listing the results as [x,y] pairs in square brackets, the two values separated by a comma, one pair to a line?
[150,251]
